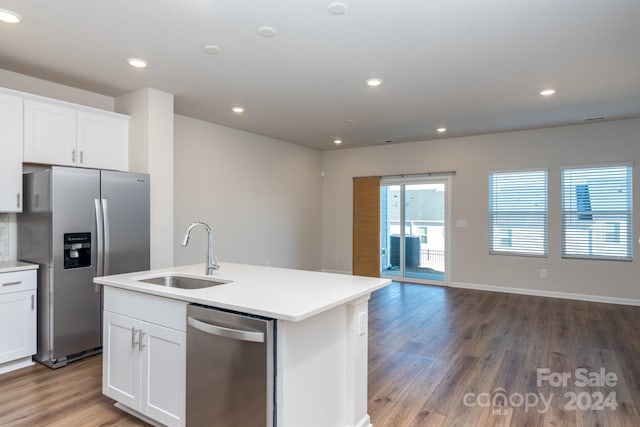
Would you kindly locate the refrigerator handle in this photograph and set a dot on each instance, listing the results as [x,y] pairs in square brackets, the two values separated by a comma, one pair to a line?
[99,237]
[107,244]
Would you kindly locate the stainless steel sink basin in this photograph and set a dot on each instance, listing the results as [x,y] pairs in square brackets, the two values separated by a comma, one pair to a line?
[182,282]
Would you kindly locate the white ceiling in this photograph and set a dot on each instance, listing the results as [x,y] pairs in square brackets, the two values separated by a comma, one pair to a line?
[474,66]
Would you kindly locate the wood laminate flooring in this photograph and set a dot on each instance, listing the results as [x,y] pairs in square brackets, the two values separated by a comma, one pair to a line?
[429,349]
[433,349]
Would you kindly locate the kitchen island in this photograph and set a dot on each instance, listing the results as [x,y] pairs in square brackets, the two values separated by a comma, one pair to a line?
[320,340]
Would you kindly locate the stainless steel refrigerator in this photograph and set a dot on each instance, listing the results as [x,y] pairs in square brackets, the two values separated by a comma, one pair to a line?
[78,224]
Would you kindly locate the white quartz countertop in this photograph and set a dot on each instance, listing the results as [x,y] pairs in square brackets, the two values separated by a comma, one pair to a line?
[279,293]
[11,266]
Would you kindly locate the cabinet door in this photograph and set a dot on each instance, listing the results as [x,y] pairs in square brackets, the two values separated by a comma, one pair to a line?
[120,359]
[163,382]
[103,141]
[49,133]
[10,153]
[17,325]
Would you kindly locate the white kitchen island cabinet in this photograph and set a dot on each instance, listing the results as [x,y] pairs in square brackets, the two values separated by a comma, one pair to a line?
[144,355]
[17,315]
[321,333]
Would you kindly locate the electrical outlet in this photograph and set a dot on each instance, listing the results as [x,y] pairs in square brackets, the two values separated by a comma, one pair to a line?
[362,323]
[543,273]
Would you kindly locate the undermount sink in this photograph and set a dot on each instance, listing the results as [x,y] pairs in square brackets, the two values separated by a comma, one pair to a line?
[182,282]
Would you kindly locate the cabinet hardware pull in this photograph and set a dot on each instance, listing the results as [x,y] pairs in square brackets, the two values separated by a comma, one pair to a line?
[73,156]
[134,342]
[18,200]
[32,303]
[221,331]
[141,346]
[81,156]
[19,282]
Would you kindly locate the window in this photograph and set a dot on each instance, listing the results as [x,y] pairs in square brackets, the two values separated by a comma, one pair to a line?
[506,240]
[422,232]
[596,212]
[613,232]
[518,213]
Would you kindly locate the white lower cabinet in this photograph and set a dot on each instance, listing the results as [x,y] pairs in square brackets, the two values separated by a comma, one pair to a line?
[144,363]
[17,319]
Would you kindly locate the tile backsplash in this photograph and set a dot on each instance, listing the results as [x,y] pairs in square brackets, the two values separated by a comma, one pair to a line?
[4,236]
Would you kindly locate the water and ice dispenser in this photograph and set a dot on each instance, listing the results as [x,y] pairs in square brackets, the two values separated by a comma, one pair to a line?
[77,250]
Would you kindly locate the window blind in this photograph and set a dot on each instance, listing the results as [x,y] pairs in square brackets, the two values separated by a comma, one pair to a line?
[597,212]
[518,213]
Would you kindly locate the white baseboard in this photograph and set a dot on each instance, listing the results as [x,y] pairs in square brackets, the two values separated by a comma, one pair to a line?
[15,364]
[550,294]
[364,422]
[137,414]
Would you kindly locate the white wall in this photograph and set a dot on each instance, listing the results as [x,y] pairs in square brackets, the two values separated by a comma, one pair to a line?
[261,196]
[472,158]
[151,151]
[29,84]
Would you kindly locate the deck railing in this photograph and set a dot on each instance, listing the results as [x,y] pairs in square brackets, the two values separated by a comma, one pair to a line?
[431,255]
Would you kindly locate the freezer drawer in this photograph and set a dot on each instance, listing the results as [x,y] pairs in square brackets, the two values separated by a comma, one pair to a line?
[230,375]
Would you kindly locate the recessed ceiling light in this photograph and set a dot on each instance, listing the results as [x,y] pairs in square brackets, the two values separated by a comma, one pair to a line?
[338,8]
[374,82]
[212,49]
[441,130]
[238,110]
[548,92]
[267,31]
[337,141]
[137,62]
[9,17]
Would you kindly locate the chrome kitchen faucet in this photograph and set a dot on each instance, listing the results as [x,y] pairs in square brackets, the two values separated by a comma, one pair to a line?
[212,261]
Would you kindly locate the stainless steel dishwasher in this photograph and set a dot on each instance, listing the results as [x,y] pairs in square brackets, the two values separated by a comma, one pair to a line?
[230,369]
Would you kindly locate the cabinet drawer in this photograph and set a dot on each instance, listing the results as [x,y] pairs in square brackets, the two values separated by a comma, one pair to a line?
[18,281]
[150,308]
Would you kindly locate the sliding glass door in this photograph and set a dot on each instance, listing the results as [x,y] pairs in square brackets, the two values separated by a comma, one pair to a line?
[413,224]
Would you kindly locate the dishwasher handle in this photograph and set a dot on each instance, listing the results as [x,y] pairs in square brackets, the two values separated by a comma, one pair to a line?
[236,334]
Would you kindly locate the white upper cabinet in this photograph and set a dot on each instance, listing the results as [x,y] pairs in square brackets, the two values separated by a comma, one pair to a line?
[102,141]
[10,153]
[59,133]
[49,133]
